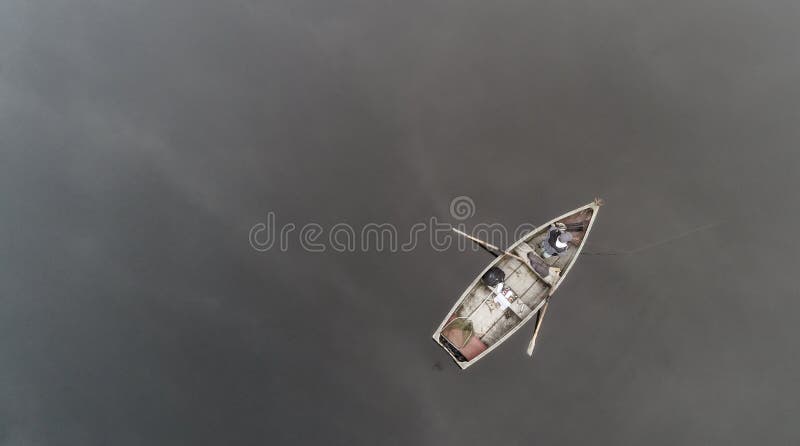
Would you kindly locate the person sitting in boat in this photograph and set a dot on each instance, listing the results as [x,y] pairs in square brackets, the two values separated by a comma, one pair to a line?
[557,240]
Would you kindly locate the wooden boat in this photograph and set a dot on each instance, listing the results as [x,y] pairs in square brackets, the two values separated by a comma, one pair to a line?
[479,322]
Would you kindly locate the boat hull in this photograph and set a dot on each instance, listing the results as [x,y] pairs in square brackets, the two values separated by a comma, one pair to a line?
[478,324]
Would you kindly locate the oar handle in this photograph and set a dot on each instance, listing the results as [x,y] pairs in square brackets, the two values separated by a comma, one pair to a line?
[489,245]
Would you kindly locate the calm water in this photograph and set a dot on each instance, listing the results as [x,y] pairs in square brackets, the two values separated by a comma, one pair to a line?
[141,140]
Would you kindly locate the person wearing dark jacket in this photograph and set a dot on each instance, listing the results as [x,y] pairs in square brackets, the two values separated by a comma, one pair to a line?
[557,240]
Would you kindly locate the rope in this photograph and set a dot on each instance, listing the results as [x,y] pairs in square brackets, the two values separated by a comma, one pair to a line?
[654,244]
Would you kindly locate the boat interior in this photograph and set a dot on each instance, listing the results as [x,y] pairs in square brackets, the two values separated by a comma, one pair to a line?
[480,322]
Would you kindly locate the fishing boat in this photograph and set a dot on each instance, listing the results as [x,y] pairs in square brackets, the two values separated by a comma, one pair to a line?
[489,312]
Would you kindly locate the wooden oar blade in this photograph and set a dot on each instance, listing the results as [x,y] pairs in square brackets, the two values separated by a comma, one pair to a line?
[488,245]
[542,312]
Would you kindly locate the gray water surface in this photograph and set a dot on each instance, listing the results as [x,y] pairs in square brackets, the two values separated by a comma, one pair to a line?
[141,140]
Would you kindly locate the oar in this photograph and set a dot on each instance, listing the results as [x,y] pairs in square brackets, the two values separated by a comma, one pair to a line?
[489,245]
[532,344]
